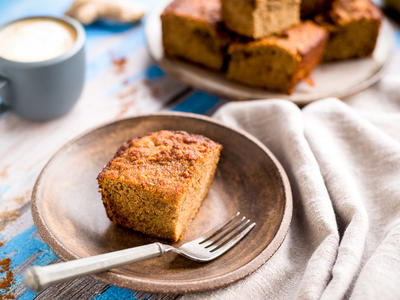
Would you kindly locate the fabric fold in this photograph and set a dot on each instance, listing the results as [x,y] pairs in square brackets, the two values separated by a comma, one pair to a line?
[344,170]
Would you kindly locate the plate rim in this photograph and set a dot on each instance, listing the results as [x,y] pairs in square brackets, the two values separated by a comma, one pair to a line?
[166,286]
[167,65]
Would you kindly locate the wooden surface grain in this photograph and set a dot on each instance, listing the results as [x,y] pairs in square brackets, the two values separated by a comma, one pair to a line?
[111,92]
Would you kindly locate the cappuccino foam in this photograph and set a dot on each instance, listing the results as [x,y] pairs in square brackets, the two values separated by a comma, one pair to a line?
[36,39]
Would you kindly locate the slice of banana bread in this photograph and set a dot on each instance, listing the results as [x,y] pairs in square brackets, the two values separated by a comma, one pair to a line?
[278,62]
[155,184]
[353,27]
[260,18]
[193,30]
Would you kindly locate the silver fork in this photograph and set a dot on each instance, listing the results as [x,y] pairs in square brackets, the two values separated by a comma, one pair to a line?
[205,248]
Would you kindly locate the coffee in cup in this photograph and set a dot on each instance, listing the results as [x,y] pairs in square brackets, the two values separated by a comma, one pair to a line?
[42,66]
[36,39]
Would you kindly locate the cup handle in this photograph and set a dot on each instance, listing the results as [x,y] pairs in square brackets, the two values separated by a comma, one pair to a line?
[3,92]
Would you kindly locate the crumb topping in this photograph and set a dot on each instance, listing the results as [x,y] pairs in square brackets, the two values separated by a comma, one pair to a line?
[345,11]
[207,10]
[161,161]
[298,39]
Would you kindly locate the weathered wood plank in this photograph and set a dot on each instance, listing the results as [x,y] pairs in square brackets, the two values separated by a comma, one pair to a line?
[83,288]
[111,93]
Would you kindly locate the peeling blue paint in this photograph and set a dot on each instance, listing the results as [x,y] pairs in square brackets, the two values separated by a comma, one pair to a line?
[198,102]
[116,293]
[22,247]
[3,190]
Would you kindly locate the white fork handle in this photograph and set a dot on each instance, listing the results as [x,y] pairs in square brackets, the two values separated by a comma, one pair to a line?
[38,278]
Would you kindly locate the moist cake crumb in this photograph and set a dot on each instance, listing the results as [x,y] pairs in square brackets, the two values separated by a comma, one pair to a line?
[156,183]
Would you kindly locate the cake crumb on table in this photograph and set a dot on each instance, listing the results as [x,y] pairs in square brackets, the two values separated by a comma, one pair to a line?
[7,280]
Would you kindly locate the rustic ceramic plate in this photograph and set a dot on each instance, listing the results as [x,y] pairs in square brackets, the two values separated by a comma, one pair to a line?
[70,217]
[338,79]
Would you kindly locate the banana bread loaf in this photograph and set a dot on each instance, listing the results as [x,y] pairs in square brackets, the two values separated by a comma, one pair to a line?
[193,30]
[155,184]
[278,62]
[260,18]
[353,27]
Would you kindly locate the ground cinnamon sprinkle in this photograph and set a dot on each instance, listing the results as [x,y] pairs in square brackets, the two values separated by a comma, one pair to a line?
[4,172]
[7,280]
[24,198]
[19,200]
[8,216]
[119,64]
[128,92]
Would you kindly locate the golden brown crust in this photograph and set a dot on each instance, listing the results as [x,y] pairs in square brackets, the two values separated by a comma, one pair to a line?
[208,11]
[298,40]
[161,162]
[193,30]
[346,11]
[311,55]
[278,62]
[353,28]
[260,18]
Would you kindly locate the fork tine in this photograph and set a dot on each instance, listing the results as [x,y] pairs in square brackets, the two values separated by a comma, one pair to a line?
[213,232]
[226,232]
[233,240]
[226,237]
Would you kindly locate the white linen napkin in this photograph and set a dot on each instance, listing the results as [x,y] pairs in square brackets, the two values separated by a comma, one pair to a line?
[343,162]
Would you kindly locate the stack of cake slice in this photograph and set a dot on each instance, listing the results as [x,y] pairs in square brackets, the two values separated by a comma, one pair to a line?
[271,44]
[353,27]
[193,30]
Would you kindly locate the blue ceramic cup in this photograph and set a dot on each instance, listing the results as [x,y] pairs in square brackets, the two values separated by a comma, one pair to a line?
[45,81]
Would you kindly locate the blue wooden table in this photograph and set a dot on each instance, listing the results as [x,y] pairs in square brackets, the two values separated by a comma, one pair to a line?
[110,93]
